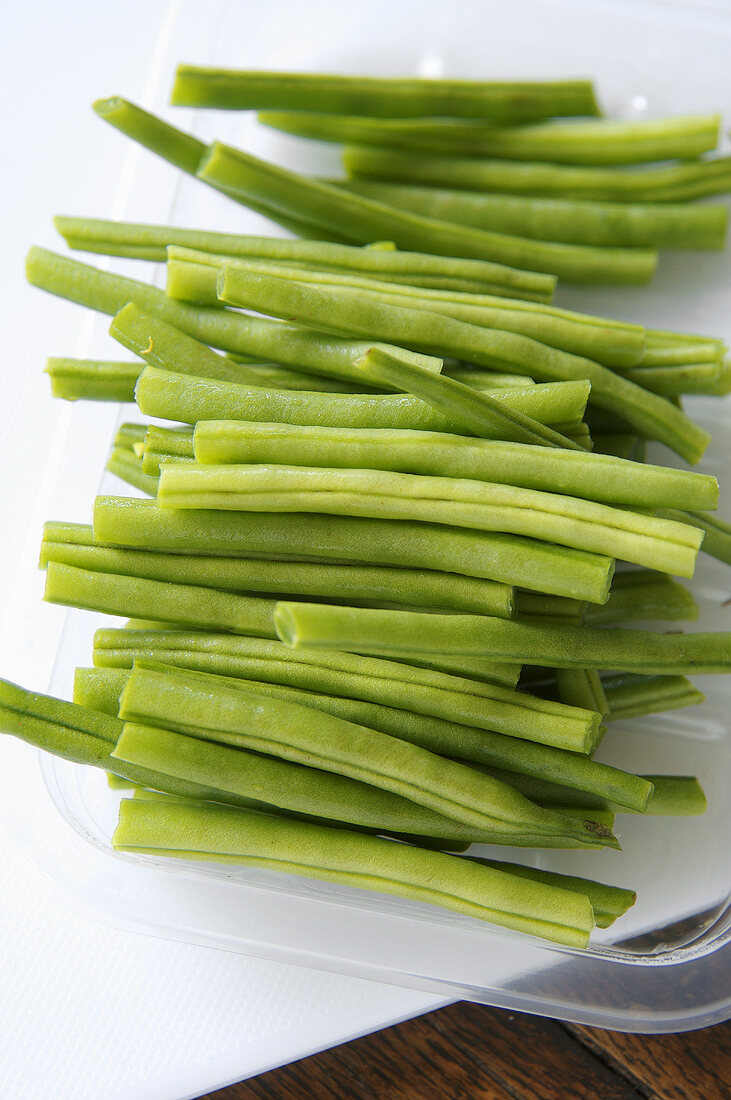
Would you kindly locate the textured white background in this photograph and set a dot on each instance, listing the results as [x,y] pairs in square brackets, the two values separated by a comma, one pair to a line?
[88,1012]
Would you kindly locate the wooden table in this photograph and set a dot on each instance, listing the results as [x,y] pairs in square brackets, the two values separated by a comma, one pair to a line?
[468,1052]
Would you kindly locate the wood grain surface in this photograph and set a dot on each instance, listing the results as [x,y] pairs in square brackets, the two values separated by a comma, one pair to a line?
[469,1052]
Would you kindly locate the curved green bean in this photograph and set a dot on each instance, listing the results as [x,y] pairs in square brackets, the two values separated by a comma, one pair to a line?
[655,417]
[568,521]
[597,477]
[574,221]
[364,630]
[390,97]
[602,142]
[364,219]
[342,856]
[202,705]
[528,563]
[101,688]
[676,183]
[357,583]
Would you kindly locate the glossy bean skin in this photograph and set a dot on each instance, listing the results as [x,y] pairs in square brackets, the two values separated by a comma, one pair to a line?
[653,416]
[597,477]
[575,221]
[96,379]
[508,559]
[602,142]
[381,96]
[340,856]
[554,646]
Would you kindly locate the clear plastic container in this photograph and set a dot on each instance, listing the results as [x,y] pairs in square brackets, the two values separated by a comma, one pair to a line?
[666,965]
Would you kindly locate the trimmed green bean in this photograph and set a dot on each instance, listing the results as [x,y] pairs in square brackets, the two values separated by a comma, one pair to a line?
[574,221]
[505,558]
[717,537]
[672,795]
[569,521]
[131,436]
[676,183]
[364,219]
[652,415]
[192,605]
[342,856]
[582,687]
[631,696]
[95,379]
[202,705]
[643,594]
[390,97]
[165,444]
[127,466]
[364,630]
[603,142]
[191,276]
[150,242]
[102,687]
[450,698]
[608,902]
[597,477]
[358,583]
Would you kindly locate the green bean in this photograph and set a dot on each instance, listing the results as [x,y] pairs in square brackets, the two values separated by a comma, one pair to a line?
[582,687]
[233,332]
[193,605]
[672,795]
[717,537]
[643,594]
[505,558]
[341,856]
[165,444]
[100,380]
[568,521]
[630,696]
[601,142]
[214,164]
[597,477]
[548,608]
[131,436]
[192,276]
[365,219]
[364,630]
[574,221]
[619,445]
[677,379]
[358,583]
[101,687]
[127,466]
[170,396]
[197,703]
[451,698]
[652,415]
[608,902]
[150,242]
[676,350]
[676,183]
[390,97]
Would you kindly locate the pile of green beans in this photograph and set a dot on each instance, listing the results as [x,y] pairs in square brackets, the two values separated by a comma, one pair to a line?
[373,614]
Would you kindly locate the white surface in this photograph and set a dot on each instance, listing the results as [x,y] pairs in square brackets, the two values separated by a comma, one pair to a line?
[88,1012]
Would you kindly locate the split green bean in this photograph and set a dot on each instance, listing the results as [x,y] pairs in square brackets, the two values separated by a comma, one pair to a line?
[574,221]
[341,856]
[201,705]
[601,478]
[676,183]
[363,219]
[509,559]
[390,97]
[602,142]
[653,416]
[568,521]
[383,632]
[377,585]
